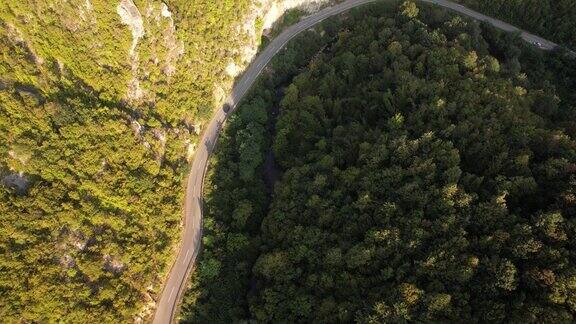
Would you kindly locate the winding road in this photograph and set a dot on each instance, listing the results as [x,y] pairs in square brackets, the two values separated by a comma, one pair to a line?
[192,234]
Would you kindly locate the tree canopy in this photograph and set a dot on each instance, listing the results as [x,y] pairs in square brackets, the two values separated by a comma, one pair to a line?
[551,19]
[428,173]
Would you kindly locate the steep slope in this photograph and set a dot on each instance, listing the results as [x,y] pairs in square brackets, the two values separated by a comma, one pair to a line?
[101,104]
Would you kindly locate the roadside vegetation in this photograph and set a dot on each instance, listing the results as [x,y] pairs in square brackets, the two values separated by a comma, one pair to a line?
[551,19]
[427,173]
[236,193]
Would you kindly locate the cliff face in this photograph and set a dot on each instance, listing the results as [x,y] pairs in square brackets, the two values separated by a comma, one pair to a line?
[263,16]
[274,10]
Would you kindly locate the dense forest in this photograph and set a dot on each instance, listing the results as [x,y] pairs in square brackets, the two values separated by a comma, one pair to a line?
[419,163]
[237,196]
[422,167]
[551,19]
[96,127]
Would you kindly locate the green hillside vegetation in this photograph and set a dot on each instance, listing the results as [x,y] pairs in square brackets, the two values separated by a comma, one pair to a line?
[551,19]
[88,225]
[236,198]
[428,174]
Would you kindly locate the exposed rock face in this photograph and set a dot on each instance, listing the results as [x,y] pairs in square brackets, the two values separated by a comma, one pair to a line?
[175,47]
[18,159]
[268,12]
[85,11]
[77,240]
[67,261]
[165,11]
[232,69]
[277,8]
[16,36]
[190,149]
[160,50]
[130,16]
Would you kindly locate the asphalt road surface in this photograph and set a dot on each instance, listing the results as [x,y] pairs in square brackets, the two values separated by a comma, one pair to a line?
[192,234]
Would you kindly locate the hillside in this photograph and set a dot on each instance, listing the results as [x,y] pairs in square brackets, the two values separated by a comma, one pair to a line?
[101,107]
[420,162]
[393,164]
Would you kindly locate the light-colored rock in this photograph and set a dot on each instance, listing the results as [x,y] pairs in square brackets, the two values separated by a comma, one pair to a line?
[232,69]
[197,128]
[160,135]
[130,15]
[17,37]
[137,128]
[190,149]
[163,47]
[112,264]
[85,12]
[78,240]
[22,158]
[268,12]
[165,11]
[219,93]
[67,261]
[277,8]
[135,92]
[174,46]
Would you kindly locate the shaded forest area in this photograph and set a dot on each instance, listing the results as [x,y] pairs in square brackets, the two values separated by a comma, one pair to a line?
[551,19]
[428,174]
[236,195]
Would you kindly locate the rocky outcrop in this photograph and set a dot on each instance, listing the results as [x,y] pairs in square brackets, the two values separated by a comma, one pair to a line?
[174,48]
[275,9]
[86,12]
[130,15]
[160,50]
[266,13]
[17,37]
[113,265]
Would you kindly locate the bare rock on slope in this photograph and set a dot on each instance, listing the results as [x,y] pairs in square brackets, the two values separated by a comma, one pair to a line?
[268,12]
[131,16]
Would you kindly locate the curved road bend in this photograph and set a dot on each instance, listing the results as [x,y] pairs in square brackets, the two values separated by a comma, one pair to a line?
[192,234]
